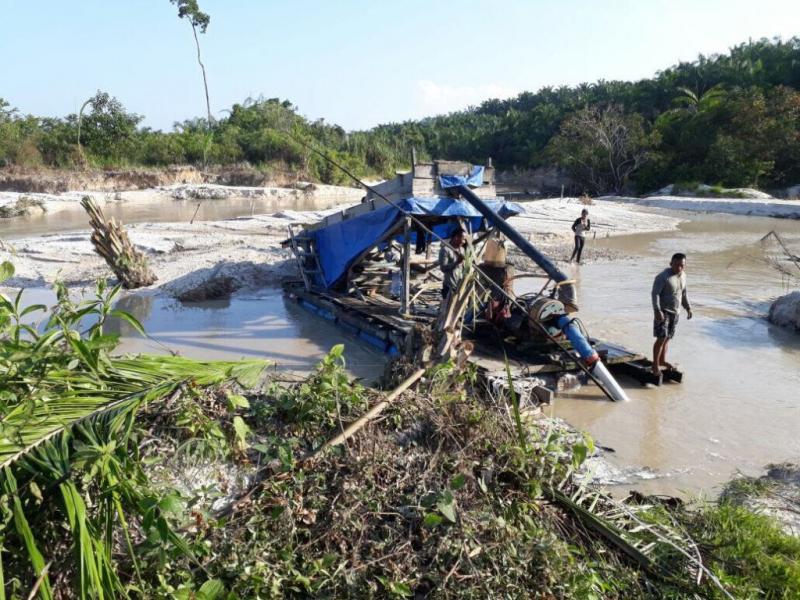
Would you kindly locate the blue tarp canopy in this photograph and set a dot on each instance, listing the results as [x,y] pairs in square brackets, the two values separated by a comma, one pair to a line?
[474,179]
[338,245]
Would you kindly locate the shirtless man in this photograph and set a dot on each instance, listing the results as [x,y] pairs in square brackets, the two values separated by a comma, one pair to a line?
[668,295]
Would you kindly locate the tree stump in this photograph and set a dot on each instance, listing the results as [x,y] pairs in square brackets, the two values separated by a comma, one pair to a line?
[112,243]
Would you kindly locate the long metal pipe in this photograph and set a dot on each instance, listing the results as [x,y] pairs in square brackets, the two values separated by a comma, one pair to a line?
[566,292]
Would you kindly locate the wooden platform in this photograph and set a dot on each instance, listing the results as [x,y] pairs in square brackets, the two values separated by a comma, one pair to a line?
[492,357]
[642,371]
[377,320]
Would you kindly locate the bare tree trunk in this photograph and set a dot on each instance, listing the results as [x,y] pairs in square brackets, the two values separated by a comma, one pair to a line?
[203,69]
[112,243]
[80,122]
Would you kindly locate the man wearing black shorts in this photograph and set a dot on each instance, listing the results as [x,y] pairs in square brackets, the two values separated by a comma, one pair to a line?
[668,295]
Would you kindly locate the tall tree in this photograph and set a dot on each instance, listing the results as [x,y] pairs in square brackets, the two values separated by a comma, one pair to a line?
[601,147]
[189,9]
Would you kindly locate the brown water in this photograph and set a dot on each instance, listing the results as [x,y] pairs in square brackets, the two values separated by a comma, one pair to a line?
[739,405]
[263,325]
[162,210]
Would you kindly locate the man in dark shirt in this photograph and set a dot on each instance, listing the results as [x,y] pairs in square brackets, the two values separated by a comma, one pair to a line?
[449,261]
[581,225]
[668,295]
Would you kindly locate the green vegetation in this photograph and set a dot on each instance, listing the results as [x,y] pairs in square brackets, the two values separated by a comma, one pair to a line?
[731,120]
[161,477]
[77,514]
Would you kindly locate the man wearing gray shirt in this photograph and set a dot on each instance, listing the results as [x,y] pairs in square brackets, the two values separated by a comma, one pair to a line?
[668,295]
[449,261]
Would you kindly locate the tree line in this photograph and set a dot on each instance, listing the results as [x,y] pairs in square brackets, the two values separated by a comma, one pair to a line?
[731,119]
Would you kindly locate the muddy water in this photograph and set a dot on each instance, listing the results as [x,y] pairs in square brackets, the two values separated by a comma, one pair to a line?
[163,210]
[739,405]
[263,325]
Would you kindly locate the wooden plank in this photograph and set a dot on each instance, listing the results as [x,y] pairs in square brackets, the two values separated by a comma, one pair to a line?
[425,188]
[424,171]
[638,370]
[452,167]
[406,266]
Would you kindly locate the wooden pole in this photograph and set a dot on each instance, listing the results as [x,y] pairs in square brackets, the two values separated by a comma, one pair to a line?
[373,412]
[404,307]
[351,430]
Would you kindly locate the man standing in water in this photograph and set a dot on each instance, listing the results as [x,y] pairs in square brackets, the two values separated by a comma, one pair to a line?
[449,260]
[668,295]
[579,228]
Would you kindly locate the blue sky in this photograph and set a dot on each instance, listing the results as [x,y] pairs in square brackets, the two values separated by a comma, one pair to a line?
[356,63]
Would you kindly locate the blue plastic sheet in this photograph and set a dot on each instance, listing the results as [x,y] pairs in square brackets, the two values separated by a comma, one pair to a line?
[474,179]
[338,245]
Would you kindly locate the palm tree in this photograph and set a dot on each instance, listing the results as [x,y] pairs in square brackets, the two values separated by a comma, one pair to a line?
[698,102]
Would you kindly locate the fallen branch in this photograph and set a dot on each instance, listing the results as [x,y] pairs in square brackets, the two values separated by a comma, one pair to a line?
[373,412]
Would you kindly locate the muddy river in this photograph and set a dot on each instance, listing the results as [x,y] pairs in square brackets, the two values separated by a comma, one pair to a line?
[739,405]
[74,218]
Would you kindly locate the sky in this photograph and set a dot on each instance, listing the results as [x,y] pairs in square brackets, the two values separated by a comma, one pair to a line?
[351,62]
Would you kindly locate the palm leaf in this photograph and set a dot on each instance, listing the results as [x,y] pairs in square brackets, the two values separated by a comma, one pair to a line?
[9,484]
[129,383]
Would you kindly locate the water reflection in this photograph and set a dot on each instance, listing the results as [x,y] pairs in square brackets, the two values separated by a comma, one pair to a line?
[258,326]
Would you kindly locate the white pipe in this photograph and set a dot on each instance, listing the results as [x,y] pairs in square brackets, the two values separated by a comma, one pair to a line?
[599,370]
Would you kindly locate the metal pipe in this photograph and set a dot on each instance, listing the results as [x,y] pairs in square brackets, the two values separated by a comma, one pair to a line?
[591,360]
[566,291]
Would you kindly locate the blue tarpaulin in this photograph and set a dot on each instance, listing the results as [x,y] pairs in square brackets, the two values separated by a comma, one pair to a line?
[338,245]
[474,179]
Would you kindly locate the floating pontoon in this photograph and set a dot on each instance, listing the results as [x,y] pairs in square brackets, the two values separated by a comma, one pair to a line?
[372,270]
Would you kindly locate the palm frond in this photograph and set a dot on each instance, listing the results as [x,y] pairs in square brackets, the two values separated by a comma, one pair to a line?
[128,383]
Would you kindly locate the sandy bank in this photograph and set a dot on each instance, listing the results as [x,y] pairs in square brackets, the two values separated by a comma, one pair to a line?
[551,220]
[245,252]
[780,209]
[303,194]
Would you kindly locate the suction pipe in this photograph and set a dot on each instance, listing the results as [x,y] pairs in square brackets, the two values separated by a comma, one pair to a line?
[566,292]
[591,359]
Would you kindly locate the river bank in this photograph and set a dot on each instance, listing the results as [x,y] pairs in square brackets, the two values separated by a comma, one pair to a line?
[248,471]
[757,207]
[246,249]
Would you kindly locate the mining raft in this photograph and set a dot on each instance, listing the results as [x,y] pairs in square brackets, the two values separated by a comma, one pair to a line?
[373,270]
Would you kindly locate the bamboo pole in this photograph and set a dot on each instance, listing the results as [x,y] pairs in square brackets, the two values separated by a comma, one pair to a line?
[404,305]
